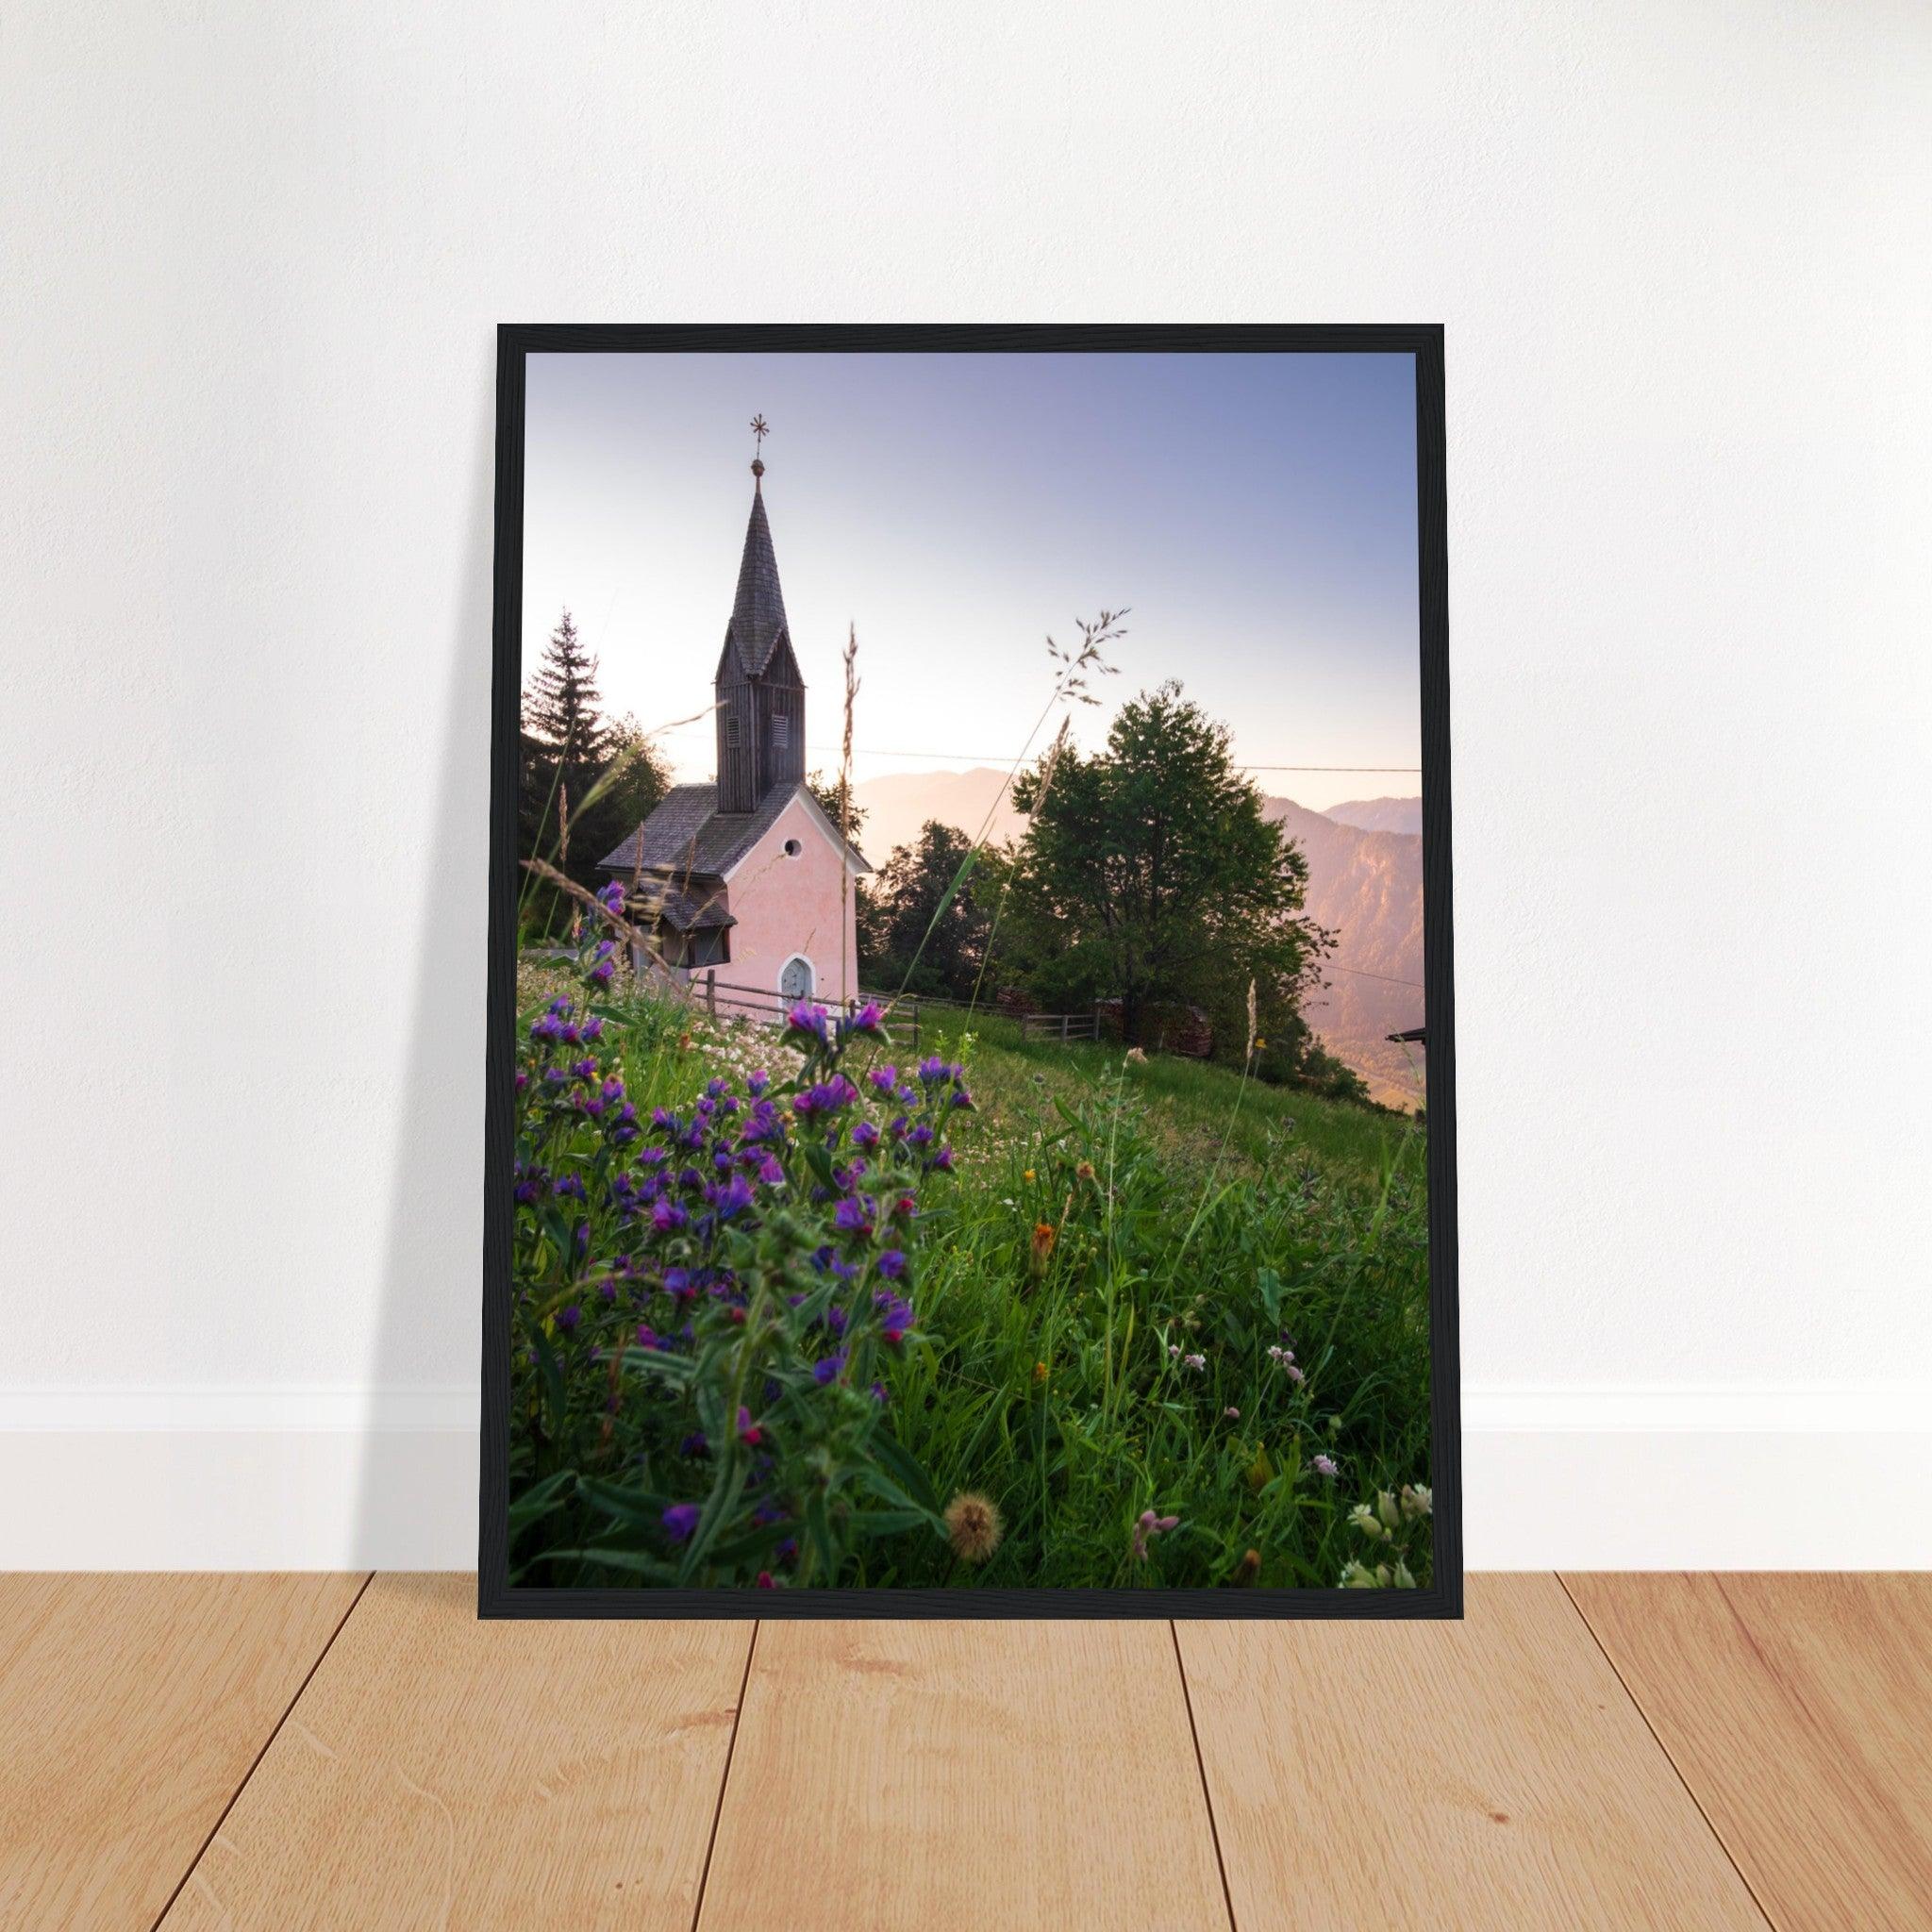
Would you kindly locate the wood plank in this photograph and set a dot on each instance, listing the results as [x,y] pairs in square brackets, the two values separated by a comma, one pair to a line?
[1490,1773]
[131,1707]
[1799,1710]
[943,1776]
[442,1771]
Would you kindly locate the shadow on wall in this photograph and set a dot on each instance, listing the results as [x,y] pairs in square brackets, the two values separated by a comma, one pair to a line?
[416,1484]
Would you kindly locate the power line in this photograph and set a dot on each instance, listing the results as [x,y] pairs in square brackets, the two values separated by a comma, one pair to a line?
[1329,966]
[991,757]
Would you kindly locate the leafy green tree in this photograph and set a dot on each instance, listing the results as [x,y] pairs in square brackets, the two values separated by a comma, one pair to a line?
[1150,873]
[632,784]
[835,798]
[911,934]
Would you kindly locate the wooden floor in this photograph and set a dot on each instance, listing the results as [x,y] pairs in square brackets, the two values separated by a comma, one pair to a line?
[1623,1752]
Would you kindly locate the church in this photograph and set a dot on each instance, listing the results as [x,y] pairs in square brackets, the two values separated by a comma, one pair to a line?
[741,877]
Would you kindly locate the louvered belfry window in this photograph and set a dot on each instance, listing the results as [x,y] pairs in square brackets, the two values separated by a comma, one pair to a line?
[781,732]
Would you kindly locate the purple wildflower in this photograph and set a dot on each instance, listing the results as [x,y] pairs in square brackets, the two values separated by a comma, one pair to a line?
[807,1019]
[828,1369]
[733,1197]
[680,1520]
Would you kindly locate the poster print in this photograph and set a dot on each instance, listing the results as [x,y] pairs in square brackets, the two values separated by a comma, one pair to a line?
[971,1125]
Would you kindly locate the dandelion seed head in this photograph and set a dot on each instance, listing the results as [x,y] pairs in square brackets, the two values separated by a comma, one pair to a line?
[973,1526]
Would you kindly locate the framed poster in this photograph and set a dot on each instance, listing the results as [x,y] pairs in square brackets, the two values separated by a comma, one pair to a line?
[970,1043]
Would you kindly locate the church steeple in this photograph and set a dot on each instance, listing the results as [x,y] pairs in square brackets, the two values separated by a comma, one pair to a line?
[761,694]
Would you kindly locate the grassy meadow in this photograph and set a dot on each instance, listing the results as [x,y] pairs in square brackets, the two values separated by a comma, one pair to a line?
[1152,1323]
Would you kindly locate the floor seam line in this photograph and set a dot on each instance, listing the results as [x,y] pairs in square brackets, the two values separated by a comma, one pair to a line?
[1180,1665]
[697,1910]
[255,1764]
[1637,1705]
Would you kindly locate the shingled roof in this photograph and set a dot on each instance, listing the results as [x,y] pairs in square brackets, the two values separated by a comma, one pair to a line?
[704,909]
[758,616]
[688,835]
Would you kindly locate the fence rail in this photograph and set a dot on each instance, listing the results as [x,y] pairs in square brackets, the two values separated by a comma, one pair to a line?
[1065,1027]
[736,1001]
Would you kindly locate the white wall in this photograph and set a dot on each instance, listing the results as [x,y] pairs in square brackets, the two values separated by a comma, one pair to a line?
[253,261]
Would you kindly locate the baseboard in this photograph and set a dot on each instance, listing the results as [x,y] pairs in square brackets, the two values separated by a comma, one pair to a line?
[1554,1478]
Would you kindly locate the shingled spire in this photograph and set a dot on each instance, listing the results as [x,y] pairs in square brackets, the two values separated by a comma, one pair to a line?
[758,615]
[761,694]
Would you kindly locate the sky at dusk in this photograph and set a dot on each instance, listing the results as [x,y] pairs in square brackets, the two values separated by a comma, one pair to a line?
[1258,513]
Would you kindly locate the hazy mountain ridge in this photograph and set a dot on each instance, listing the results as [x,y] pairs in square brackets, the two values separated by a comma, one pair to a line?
[1378,814]
[898,805]
[1365,886]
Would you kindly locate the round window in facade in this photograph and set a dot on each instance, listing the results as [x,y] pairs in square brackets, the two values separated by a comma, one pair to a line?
[792,848]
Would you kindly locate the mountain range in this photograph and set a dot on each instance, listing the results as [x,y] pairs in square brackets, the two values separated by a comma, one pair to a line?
[1365,886]
[1378,814]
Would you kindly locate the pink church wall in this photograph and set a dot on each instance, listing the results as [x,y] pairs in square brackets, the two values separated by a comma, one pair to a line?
[787,904]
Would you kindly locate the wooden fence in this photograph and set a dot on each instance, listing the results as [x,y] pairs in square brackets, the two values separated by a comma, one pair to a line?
[1065,1027]
[732,1000]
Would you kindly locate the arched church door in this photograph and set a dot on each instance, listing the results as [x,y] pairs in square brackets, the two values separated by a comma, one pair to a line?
[797,981]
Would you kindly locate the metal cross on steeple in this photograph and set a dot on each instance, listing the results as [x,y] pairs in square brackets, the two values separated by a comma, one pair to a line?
[759,430]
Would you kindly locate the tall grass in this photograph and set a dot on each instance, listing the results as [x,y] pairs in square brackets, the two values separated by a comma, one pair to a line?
[1111,1297]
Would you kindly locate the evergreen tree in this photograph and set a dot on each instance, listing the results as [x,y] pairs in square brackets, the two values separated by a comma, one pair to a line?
[566,750]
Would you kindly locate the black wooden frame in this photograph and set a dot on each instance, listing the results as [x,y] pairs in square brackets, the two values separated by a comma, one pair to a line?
[496,1597]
